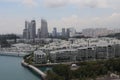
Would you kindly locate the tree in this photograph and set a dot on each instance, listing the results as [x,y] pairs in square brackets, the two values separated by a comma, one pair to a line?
[62,70]
[52,76]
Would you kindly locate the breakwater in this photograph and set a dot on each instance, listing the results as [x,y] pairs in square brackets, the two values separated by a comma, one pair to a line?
[39,72]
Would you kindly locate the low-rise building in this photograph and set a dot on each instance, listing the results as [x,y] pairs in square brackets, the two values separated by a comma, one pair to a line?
[66,55]
[86,53]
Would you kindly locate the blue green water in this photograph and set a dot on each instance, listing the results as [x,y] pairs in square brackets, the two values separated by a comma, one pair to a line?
[44,69]
[11,69]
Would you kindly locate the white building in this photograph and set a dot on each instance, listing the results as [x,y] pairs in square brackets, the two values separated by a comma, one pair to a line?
[72,32]
[65,55]
[91,32]
[40,57]
[82,49]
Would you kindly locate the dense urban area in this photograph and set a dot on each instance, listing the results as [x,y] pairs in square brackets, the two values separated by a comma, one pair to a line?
[90,54]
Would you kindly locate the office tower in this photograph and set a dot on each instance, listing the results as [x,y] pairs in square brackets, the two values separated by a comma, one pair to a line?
[68,33]
[72,32]
[30,30]
[25,31]
[63,32]
[54,33]
[26,24]
[38,33]
[33,29]
[44,29]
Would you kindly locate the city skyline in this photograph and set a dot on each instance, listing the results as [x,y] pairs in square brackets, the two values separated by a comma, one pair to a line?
[79,14]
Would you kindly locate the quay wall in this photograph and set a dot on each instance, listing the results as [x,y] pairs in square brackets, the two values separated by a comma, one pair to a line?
[39,72]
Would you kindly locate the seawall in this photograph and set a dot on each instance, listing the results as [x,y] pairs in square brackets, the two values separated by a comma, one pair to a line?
[39,72]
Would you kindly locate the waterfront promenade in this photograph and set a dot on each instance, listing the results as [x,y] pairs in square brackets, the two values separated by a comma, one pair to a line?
[53,64]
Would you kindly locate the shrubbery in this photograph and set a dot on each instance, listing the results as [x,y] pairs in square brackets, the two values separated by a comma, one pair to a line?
[86,70]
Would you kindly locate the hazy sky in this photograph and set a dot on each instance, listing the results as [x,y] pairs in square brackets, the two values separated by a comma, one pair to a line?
[59,13]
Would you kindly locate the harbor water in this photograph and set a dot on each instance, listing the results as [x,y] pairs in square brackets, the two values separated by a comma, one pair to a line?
[11,69]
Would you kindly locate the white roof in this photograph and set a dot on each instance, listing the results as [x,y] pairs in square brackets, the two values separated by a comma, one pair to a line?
[63,50]
[39,52]
[21,45]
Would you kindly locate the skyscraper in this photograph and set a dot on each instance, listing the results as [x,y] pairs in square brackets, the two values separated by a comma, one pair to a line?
[38,33]
[54,33]
[72,32]
[33,29]
[25,31]
[30,30]
[68,33]
[44,29]
[63,32]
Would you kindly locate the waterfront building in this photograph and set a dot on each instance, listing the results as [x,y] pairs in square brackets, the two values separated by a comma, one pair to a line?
[44,29]
[86,53]
[82,49]
[40,57]
[65,55]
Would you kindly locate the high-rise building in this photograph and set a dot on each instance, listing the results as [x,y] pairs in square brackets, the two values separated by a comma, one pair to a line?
[68,32]
[63,32]
[54,33]
[25,33]
[38,33]
[44,29]
[72,32]
[26,24]
[30,30]
[33,29]
[25,30]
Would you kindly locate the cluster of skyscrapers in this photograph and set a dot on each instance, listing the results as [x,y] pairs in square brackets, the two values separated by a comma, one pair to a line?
[65,33]
[30,30]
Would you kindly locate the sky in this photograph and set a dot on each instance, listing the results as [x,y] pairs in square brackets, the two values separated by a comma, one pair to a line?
[79,14]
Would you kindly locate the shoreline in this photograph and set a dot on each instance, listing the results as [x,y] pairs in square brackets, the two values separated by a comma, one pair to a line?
[33,68]
[15,54]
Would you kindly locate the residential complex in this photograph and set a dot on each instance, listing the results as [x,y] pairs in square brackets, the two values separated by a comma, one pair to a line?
[75,50]
[40,57]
